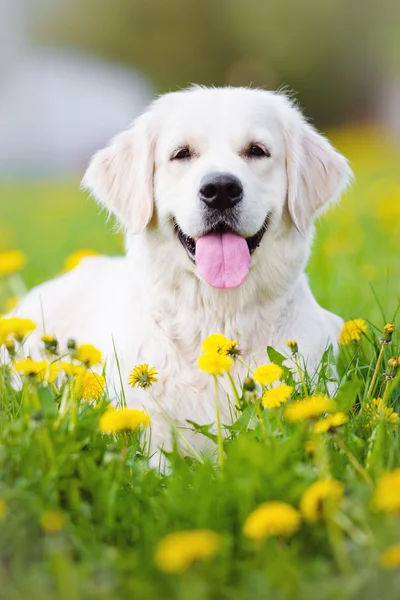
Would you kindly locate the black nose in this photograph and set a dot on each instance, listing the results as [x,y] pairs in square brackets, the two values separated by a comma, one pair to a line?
[221,191]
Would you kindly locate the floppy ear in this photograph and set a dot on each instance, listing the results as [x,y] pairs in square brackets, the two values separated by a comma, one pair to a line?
[121,176]
[316,173]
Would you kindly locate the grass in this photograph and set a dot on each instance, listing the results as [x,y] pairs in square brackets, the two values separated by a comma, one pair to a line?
[81,512]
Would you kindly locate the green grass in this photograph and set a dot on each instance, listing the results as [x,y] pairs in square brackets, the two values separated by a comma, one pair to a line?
[114,509]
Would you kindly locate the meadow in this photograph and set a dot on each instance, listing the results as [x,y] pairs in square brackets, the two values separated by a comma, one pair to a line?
[292,504]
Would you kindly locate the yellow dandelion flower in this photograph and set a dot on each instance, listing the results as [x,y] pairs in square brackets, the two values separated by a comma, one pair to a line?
[15,327]
[123,419]
[3,508]
[142,376]
[391,557]
[49,374]
[330,422]
[74,259]
[352,331]
[389,328]
[178,551]
[272,519]
[387,492]
[214,363]
[267,374]
[12,261]
[90,386]
[71,369]
[376,411]
[40,369]
[88,355]
[218,343]
[310,407]
[52,521]
[292,344]
[275,397]
[321,500]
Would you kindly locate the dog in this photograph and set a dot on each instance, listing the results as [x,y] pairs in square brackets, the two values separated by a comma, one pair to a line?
[217,190]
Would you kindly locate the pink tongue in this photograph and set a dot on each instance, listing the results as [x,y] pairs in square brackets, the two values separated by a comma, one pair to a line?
[223,259]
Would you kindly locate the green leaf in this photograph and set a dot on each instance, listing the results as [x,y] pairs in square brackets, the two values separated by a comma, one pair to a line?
[275,357]
[347,394]
[203,429]
[247,420]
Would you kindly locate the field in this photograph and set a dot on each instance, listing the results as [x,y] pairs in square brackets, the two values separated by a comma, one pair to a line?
[83,516]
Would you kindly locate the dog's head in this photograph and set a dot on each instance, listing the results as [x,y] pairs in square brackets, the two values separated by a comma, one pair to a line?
[219,171]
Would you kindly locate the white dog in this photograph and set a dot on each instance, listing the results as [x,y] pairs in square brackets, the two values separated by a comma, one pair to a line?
[217,190]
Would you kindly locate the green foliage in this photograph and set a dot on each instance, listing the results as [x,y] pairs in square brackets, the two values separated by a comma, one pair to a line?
[111,509]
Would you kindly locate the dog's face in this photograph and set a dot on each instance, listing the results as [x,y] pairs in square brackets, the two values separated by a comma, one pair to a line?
[220,170]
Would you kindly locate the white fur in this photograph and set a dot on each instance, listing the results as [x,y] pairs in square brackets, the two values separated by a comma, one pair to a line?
[151,303]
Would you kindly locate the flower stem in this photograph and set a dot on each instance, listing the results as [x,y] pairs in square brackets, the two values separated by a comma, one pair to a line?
[354,462]
[260,416]
[303,383]
[375,375]
[386,392]
[235,392]
[176,430]
[221,457]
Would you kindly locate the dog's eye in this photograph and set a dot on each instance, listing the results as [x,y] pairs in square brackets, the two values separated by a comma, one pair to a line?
[181,154]
[257,151]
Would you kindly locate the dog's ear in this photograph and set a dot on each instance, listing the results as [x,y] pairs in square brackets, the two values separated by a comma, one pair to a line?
[121,175]
[316,173]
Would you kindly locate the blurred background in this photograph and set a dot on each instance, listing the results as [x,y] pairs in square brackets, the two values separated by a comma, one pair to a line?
[75,72]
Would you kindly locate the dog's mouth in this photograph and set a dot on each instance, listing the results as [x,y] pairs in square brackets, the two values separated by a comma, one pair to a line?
[222,255]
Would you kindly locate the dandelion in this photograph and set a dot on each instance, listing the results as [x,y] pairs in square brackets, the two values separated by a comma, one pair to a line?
[352,331]
[52,521]
[12,261]
[3,508]
[391,557]
[218,343]
[15,327]
[71,369]
[272,519]
[74,259]
[376,411]
[215,364]
[142,376]
[330,422]
[392,366]
[387,492]
[292,344]
[321,500]
[387,335]
[267,374]
[178,551]
[39,369]
[275,397]
[88,355]
[50,343]
[90,386]
[310,407]
[123,419]
[249,385]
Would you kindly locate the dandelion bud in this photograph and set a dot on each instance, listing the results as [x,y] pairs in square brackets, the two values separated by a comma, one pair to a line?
[392,366]
[292,344]
[71,345]
[387,333]
[10,345]
[50,343]
[249,384]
